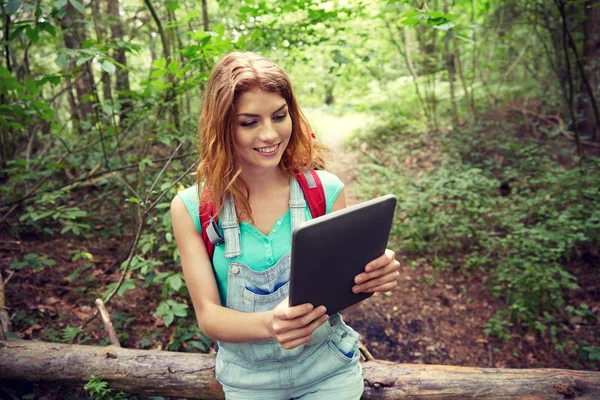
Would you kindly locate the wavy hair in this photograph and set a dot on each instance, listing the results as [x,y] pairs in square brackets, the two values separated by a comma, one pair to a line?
[219,168]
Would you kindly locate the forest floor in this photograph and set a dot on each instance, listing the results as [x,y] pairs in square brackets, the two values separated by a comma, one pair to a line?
[431,317]
[435,317]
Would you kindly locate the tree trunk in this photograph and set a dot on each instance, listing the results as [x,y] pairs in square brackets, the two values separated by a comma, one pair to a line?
[74,34]
[205,16]
[122,76]
[451,74]
[591,65]
[163,373]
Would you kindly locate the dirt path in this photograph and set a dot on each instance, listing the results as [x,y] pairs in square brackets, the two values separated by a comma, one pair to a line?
[334,130]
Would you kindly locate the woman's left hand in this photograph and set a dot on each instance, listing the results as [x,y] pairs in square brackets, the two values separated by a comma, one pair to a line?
[381,274]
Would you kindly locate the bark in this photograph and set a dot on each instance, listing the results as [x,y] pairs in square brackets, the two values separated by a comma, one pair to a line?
[106,85]
[4,319]
[74,34]
[122,76]
[205,16]
[163,373]
[591,67]
[451,73]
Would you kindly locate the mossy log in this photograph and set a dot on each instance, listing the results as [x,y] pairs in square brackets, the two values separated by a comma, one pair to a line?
[164,373]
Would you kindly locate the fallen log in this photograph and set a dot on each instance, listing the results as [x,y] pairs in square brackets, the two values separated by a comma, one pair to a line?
[164,373]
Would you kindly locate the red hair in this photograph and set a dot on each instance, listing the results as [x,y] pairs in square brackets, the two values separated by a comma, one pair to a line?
[218,169]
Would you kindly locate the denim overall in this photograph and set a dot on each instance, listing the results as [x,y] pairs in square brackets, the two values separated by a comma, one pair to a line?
[328,363]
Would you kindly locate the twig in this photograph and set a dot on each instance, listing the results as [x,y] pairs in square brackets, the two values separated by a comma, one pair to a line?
[365,352]
[136,239]
[4,320]
[71,184]
[108,326]
[163,170]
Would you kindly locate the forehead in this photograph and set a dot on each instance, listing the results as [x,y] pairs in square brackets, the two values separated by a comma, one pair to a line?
[256,100]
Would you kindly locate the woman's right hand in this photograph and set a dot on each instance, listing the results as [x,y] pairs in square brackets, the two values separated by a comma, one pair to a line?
[292,326]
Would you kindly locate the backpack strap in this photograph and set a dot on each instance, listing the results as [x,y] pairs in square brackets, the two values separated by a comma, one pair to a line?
[313,191]
[312,187]
[209,223]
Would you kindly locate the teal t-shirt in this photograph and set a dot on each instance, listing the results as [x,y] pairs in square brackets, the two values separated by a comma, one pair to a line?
[259,252]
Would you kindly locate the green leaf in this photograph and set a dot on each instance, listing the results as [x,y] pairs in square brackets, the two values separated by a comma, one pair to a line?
[60,3]
[339,57]
[108,67]
[4,72]
[180,310]
[83,60]
[168,318]
[12,6]
[127,285]
[78,6]
[32,34]
[172,5]
[61,60]
[158,73]
[159,63]
[17,32]
[410,21]
[175,282]
[48,28]
[199,345]
[31,86]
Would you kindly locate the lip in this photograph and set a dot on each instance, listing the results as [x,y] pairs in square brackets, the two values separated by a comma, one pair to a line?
[269,154]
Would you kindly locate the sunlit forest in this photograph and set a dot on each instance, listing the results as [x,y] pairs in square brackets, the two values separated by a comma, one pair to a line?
[481,117]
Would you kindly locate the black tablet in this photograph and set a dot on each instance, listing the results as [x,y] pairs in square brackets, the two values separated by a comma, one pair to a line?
[328,252]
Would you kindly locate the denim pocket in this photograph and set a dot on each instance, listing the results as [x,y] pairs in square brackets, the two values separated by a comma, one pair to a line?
[255,302]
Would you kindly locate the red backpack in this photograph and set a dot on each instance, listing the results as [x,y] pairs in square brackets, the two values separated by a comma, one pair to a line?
[311,187]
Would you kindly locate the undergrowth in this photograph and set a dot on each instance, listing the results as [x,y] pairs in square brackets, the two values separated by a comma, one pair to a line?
[480,198]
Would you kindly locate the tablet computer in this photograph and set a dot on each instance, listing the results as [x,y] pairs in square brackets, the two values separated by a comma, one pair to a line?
[329,251]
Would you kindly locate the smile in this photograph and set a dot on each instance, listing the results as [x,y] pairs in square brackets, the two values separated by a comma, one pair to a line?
[267,150]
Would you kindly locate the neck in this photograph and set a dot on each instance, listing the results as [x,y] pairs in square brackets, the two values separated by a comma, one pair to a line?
[265,180]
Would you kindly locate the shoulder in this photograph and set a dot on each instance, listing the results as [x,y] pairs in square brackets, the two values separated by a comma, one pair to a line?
[329,180]
[332,186]
[186,202]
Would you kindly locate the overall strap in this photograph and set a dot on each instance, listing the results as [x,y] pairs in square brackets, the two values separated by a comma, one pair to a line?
[231,230]
[297,204]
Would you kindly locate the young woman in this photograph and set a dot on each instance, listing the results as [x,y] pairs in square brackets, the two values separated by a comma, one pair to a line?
[253,141]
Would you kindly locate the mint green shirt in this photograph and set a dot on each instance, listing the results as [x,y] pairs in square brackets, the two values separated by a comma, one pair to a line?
[259,252]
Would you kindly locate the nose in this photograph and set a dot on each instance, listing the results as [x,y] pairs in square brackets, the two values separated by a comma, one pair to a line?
[268,133]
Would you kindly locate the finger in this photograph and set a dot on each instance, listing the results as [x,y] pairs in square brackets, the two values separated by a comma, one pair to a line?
[295,343]
[290,313]
[383,288]
[366,276]
[387,257]
[391,277]
[282,326]
[306,330]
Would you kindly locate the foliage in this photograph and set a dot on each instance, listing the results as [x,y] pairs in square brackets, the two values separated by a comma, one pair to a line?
[99,390]
[95,101]
[492,203]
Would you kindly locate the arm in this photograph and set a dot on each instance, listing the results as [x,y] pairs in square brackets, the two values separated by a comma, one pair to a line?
[290,326]
[381,274]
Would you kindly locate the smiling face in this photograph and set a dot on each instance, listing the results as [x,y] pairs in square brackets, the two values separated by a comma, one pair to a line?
[262,129]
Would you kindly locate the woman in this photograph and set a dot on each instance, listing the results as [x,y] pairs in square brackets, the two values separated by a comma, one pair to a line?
[253,141]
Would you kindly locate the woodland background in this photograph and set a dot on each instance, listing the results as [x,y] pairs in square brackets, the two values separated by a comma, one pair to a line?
[481,116]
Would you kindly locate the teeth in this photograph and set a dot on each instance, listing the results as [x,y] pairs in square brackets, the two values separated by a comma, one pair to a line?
[267,149]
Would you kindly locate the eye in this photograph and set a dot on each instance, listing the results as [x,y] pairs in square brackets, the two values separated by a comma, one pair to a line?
[248,124]
[280,117]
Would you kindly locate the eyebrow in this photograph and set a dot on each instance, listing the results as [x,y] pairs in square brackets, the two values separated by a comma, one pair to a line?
[256,115]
